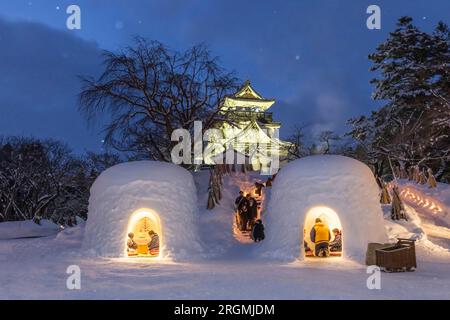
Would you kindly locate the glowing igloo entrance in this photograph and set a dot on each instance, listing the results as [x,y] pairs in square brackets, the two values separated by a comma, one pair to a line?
[144,236]
[329,219]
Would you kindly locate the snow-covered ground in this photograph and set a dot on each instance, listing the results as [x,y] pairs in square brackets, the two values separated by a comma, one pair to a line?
[431,208]
[27,229]
[36,268]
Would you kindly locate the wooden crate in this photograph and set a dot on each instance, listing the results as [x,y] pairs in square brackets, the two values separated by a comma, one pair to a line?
[399,257]
[370,253]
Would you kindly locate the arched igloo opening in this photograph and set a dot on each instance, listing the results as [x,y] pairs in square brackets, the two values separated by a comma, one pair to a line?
[144,235]
[344,185]
[161,195]
[330,219]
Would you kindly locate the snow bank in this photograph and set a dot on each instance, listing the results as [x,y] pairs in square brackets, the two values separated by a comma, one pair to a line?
[27,229]
[413,228]
[436,201]
[165,190]
[340,184]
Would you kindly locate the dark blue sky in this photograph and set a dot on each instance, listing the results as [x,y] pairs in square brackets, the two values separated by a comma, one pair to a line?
[311,56]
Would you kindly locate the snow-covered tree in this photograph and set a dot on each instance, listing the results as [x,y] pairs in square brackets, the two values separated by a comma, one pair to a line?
[148,91]
[413,80]
[42,179]
[326,138]
[325,143]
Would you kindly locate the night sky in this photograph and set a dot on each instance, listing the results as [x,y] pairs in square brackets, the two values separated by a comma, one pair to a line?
[311,56]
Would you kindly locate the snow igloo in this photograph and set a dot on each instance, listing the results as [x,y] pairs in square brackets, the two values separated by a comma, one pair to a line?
[340,191]
[143,209]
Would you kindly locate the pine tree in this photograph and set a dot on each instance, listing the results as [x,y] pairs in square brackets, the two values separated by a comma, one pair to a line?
[413,127]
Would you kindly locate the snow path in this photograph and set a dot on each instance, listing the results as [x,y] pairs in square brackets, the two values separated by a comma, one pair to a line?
[247,184]
[437,234]
[426,203]
[432,204]
[218,226]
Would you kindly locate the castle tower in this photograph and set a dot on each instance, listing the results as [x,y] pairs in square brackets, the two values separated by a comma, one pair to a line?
[250,129]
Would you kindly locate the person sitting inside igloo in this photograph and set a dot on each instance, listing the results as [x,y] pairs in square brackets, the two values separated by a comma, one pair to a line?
[320,235]
[336,244]
[153,245]
[306,247]
[131,244]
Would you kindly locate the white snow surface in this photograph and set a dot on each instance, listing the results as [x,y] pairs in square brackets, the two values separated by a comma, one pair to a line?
[27,229]
[342,184]
[36,268]
[431,207]
[436,201]
[164,189]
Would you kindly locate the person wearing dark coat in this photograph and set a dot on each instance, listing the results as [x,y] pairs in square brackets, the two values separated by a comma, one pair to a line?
[243,217]
[258,188]
[336,244]
[153,245]
[252,213]
[132,245]
[240,200]
[248,197]
[258,231]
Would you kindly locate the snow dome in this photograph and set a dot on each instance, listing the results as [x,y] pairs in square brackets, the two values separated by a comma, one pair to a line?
[143,209]
[341,191]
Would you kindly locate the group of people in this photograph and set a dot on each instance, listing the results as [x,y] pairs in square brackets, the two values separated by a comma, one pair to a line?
[247,211]
[321,237]
[247,216]
[152,245]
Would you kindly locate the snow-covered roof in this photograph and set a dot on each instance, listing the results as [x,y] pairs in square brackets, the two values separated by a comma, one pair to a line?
[247,97]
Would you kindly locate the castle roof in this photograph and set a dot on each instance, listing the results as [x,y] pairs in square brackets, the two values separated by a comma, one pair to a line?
[247,97]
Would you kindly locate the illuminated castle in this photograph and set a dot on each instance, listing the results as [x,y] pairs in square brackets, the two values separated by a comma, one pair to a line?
[250,130]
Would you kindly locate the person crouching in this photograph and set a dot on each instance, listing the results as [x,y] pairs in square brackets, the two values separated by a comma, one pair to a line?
[320,234]
[258,231]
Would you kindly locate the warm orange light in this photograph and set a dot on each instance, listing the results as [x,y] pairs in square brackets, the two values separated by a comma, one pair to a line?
[421,200]
[138,216]
[328,217]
